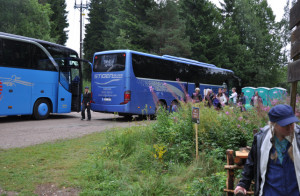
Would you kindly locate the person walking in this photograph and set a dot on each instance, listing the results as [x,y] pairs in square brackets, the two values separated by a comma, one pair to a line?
[273,161]
[86,104]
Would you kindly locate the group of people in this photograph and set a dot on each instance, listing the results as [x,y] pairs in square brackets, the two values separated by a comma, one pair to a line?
[220,99]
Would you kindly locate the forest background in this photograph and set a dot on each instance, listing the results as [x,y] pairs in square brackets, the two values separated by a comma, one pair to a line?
[242,36]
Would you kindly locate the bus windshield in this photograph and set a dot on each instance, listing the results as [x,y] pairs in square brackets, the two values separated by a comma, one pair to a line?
[60,54]
[109,62]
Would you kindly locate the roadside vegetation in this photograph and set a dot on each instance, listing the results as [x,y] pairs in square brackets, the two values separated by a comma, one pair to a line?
[157,158]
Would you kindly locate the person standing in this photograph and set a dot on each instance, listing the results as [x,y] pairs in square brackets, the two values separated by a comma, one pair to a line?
[221,97]
[256,100]
[225,92]
[86,104]
[242,102]
[196,96]
[233,96]
[273,162]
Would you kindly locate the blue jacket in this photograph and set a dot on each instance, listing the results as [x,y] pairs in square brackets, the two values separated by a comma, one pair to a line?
[254,164]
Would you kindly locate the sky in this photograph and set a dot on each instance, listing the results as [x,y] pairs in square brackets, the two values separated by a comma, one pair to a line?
[74,19]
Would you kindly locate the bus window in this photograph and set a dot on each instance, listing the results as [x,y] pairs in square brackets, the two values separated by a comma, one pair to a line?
[109,62]
[40,60]
[16,54]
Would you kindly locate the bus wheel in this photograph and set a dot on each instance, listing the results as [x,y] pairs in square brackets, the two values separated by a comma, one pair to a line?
[41,109]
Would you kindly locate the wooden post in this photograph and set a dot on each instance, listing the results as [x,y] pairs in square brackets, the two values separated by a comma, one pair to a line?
[196,120]
[293,95]
[294,67]
[197,148]
[230,172]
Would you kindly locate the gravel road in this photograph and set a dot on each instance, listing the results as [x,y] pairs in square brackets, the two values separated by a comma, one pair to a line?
[19,131]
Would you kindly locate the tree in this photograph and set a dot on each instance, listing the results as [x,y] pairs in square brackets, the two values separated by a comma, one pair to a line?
[257,57]
[202,21]
[94,40]
[58,20]
[26,17]
[166,31]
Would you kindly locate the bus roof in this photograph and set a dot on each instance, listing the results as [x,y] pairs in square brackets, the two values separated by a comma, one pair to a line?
[167,57]
[33,39]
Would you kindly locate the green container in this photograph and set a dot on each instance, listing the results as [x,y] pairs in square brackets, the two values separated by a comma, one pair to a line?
[263,92]
[276,95]
[248,92]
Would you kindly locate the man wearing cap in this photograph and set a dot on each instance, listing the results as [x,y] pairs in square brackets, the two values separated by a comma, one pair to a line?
[86,104]
[274,160]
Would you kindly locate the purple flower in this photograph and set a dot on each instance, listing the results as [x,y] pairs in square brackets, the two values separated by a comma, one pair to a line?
[238,126]
[240,118]
[227,113]
[151,89]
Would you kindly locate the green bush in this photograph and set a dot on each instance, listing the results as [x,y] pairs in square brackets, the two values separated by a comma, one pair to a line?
[159,158]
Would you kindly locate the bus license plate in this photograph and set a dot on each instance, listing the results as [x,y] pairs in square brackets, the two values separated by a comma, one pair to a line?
[106,99]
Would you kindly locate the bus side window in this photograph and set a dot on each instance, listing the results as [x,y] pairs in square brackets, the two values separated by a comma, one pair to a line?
[16,54]
[40,60]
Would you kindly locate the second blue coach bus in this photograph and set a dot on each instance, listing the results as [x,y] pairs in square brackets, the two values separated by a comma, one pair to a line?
[38,77]
[122,81]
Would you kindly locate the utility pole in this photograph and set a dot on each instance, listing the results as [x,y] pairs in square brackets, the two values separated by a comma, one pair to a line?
[81,7]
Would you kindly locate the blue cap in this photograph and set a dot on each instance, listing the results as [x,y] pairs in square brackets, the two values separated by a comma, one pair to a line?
[282,115]
[86,87]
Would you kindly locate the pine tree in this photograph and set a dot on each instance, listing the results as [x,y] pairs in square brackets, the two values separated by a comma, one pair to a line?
[257,57]
[58,20]
[166,31]
[202,27]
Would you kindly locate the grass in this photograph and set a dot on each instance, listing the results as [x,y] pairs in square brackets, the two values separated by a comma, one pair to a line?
[155,159]
[119,162]
[22,169]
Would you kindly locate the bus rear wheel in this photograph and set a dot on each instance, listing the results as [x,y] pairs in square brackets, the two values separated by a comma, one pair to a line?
[41,109]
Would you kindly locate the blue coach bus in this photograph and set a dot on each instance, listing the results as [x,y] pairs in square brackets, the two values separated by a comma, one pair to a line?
[121,80]
[38,77]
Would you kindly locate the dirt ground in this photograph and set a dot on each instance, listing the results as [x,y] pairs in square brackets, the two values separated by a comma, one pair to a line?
[20,131]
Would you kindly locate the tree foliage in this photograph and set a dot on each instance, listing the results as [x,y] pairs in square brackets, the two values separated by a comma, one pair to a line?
[242,36]
[58,20]
[42,19]
[26,17]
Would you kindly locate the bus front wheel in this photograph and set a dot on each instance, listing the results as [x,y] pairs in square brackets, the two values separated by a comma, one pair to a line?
[41,109]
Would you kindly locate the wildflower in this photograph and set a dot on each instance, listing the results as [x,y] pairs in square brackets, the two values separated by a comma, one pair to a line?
[238,126]
[240,118]
[227,113]
[151,89]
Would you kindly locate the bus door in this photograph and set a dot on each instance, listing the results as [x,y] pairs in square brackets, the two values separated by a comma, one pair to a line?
[76,85]
[69,93]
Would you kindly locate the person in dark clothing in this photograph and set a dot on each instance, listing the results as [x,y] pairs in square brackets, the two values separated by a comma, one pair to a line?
[196,96]
[273,162]
[86,104]
[242,102]
[209,98]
